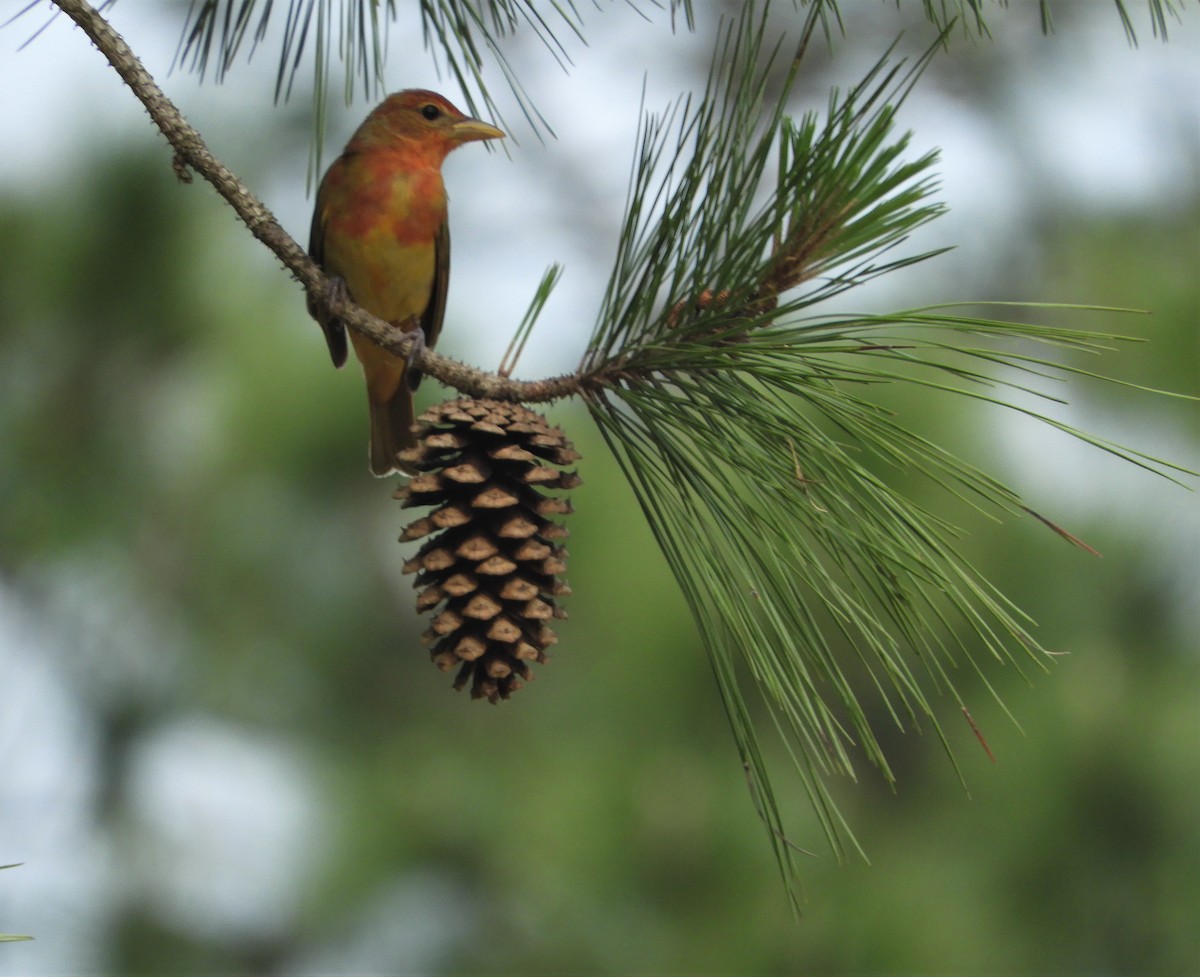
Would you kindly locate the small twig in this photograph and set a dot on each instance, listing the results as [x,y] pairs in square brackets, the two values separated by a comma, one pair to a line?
[192,155]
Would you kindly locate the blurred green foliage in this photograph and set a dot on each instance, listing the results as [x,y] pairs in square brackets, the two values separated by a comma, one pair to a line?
[184,499]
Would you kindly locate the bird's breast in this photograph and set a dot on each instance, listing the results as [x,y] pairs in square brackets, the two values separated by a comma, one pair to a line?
[381,224]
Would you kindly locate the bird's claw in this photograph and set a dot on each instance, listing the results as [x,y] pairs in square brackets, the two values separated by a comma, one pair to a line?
[337,297]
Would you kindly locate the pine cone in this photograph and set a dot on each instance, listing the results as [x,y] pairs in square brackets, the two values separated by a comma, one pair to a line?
[493,561]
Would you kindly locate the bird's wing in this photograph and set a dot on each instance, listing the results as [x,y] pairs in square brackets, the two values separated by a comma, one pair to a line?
[335,332]
[431,321]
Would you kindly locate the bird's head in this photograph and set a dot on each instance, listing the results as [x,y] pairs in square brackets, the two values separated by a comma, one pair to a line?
[417,118]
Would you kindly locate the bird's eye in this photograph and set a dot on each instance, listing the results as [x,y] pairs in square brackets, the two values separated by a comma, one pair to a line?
[430,111]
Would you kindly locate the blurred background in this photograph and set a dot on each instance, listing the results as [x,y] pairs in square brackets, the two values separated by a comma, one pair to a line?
[223,748]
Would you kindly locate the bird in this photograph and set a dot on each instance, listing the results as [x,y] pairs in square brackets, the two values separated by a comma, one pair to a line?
[380,232]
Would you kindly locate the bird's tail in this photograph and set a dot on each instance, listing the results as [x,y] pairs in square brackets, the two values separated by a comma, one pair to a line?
[391,431]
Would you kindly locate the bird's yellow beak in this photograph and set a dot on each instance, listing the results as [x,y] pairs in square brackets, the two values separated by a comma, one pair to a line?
[469,130]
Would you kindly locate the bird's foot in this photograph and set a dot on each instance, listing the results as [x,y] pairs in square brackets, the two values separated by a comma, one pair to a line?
[412,371]
[338,296]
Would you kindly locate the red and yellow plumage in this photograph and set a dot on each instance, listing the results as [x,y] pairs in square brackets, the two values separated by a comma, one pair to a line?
[380,226]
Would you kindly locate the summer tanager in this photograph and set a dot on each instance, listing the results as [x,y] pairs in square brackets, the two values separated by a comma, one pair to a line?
[379,231]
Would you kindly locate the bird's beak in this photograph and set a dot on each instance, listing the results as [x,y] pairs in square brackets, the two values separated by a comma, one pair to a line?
[469,130]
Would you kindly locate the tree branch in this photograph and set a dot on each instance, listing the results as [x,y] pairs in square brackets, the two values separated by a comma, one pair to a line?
[191,154]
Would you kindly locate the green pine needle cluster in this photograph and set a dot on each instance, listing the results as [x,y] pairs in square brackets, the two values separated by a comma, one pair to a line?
[973,15]
[746,423]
